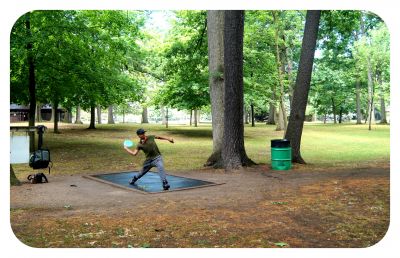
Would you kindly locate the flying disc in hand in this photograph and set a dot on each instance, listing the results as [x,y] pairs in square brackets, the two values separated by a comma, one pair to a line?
[128,143]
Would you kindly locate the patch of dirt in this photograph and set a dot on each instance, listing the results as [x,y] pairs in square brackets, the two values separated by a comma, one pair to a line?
[256,207]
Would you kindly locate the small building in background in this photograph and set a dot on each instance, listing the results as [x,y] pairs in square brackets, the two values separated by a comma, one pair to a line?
[20,113]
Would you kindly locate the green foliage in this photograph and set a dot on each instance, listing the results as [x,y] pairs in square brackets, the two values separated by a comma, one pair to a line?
[186,63]
[80,57]
[346,48]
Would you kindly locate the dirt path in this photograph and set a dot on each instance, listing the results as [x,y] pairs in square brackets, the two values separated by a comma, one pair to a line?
[256,207]
[240,188]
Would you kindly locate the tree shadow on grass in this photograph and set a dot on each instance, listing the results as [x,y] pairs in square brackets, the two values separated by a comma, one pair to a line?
[192,133]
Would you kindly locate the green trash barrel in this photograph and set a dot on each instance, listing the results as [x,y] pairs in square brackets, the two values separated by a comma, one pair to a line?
[281,154]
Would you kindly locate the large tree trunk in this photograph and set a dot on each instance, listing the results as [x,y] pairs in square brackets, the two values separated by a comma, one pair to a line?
[271,113]
[302,86]
[358,101]
[233,151]
[31,82]
[145,118]
[280,125]
[110,115]
[92,117]
[78,115]
[98,114]
[56,116]
[215,32]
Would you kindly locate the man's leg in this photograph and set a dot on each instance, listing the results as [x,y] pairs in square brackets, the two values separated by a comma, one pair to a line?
[158,162]
[146,168]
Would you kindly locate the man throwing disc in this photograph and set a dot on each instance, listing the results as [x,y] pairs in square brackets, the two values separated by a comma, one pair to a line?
[153,156]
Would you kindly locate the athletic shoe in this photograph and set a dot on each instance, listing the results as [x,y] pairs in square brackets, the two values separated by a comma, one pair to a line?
[166,185]
[133,180]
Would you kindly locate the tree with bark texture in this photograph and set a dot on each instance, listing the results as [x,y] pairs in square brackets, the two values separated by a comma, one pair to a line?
[215,33]
[32,81]
[110,115]
[233,152]
[302,86]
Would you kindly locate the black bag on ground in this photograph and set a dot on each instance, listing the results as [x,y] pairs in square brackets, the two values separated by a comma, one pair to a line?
[37,178]
[40,159]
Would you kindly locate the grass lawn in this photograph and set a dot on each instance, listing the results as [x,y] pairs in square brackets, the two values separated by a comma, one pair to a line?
[330,202]
[80,151]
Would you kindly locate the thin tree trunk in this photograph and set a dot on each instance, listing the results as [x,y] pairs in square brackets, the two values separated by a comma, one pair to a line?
[195,118]
[290,73]
[123,116]
[92,117]
[31,81]
[371,111]
[110,115]
[39,112]
[191,116]
[233,152]
[302,86]
[383,111]
[252,115]
[98,114]
[78,115]
[53,113]
[245,115]
[358,102]
[358,86]
[215,32]
[333,110]
[198,116]
[70,115]
[164,120]
[145,118]
[340,115]
[56,116]
[325,118]
[282,112]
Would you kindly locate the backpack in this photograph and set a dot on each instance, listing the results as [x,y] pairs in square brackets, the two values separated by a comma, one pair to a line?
[37,178]
[40,159]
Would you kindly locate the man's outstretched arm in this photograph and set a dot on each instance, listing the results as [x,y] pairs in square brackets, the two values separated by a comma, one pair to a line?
[164,138]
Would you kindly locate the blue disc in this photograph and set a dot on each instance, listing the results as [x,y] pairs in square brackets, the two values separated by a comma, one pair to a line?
[128,143]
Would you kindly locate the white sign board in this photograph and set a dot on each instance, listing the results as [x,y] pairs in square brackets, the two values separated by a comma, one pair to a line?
[19,149]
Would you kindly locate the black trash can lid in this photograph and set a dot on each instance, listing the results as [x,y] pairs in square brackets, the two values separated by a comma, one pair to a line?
[280,143]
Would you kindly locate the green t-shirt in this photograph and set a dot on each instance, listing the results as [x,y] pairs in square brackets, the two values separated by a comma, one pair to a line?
[149,148]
